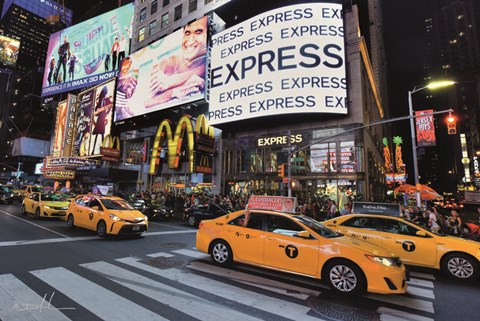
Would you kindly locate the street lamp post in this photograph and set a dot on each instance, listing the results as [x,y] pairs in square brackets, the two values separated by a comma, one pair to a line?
[433,85]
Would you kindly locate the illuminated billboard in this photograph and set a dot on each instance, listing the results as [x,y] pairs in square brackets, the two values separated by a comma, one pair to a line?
[87,53]
[94,119]
[286,61]
[167,73]
[9,48]
[65,121]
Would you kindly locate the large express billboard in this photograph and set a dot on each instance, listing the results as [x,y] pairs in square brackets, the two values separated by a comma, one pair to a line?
[87,53]
[167,73]
[286,61]
[93,119]
[9,49]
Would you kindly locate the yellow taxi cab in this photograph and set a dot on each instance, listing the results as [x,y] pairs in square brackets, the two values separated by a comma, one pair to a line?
[416,246]
[27,190]
[45,205]
[106,215]
[266,237]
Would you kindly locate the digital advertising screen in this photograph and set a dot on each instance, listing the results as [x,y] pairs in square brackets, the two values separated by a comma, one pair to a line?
[9,49]
[285,61]
[167,73]
[88,53]
[94,118]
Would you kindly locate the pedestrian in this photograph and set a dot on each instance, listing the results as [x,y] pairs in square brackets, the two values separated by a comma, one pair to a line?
[432,222]
[454,223]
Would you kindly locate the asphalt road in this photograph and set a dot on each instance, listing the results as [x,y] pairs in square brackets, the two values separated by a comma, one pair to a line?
[50,273]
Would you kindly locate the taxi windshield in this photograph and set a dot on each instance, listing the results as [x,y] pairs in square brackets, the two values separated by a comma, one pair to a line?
[120,205]
[53,198]
[37,189]
[316,226]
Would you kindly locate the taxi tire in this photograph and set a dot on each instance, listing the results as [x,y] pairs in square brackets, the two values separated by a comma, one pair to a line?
[70,222]
[102,229]
[37,213]
[453,260]
[342,266]
[24,210]
[221,253]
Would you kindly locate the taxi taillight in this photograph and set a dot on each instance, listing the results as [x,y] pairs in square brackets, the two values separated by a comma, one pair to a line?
[200,225]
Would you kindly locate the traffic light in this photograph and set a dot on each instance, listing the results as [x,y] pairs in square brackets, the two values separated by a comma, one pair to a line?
[451,125]
[281,170]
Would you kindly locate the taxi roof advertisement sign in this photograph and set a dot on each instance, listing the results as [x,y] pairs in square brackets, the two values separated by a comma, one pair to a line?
[388,209]
[87,53]
[272,203]
[284,61]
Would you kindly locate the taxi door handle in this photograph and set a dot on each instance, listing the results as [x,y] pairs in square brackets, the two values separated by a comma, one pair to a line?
[387,237]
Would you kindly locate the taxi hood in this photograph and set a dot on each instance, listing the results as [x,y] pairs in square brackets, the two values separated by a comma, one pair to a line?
[127,214]
[365,246]
[57,204]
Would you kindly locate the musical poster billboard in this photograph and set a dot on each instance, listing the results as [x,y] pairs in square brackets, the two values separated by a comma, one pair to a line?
[289,60]
[425,128]
[88,53]
[9,49]
[167,73]
[59,132]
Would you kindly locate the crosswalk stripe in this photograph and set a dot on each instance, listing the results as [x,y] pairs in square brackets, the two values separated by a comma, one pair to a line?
[425,293]
[250,298]
[191,253]
[276,286]
[418,282]
[387,314]
[405,301]
[20,303]
[93,297]
[189,304]
[160,254]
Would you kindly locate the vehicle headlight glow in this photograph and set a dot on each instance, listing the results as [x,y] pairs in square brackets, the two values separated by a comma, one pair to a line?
[146,218]
[387,261]
[116,218]
[46,206]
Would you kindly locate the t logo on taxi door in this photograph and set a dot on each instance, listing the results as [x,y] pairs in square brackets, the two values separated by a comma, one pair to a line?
[291,251]
[408,246]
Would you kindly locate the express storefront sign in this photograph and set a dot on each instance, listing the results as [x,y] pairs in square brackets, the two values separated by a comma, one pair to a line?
[279,140]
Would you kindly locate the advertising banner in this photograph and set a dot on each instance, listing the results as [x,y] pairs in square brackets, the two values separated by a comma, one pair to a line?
[272,203]
[60,126]
[167,73]
[94,119]
[87,53]
[425,128]
[9,49]
[286,61]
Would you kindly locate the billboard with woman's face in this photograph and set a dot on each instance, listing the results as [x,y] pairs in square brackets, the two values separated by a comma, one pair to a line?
[9,49]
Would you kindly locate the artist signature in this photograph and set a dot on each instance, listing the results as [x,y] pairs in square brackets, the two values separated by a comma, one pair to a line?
[46,304]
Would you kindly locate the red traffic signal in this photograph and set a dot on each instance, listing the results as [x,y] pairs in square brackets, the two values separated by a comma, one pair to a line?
[281,170]
[451,125]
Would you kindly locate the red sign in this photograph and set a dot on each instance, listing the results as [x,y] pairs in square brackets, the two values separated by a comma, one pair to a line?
[425,128]
[272,203]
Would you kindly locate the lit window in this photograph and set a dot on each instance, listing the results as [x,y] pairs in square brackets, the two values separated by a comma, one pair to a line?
[459,17]
[141,34]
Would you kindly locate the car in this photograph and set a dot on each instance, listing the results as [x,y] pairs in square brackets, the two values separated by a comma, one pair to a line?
[7,195]
[45,205]
[27,190]
[107,215]
[416,246]
[300,245]
[154,211]
[196,213]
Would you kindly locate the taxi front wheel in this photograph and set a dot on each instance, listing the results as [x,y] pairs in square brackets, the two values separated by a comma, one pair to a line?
[345,277]
[102,229]
[221,253]
[460,266]
[70,222]
[24,210]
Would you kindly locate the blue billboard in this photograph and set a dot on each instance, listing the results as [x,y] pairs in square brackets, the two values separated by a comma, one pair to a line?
[88,53]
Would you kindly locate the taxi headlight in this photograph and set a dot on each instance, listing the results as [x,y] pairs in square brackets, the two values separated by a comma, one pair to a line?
[146,218]
[116,218]
[46,206]
[387,261]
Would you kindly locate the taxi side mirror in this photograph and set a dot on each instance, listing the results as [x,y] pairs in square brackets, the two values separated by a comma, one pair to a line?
[96,208]
[421,233]
[303,234]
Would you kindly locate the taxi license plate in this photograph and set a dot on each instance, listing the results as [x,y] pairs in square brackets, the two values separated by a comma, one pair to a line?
[136,228]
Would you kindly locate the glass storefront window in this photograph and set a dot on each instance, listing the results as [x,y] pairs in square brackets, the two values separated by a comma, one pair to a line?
[323,158]
[347,157]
